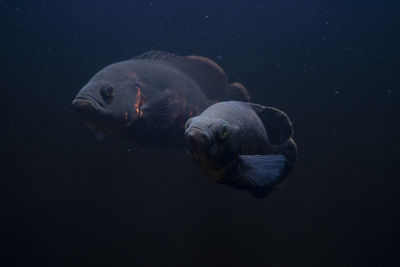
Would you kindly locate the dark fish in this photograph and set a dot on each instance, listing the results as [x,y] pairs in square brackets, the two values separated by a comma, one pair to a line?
[149,98]
[242,144]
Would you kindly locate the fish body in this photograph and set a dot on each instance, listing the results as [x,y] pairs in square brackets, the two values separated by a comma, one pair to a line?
[242,144]
[148,99]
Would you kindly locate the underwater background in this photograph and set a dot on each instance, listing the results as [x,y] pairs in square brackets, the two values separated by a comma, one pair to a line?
[68,199]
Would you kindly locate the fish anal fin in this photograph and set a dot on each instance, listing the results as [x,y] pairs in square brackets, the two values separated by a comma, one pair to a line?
[261,170]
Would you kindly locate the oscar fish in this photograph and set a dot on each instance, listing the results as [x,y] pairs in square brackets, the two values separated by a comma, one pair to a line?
[245,145]
[148,99]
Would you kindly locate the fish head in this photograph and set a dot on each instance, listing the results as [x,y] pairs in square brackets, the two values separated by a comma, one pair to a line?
[210,140]
[111,100]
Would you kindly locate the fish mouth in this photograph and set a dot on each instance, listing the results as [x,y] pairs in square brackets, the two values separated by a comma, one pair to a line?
[197,139]
[87,103]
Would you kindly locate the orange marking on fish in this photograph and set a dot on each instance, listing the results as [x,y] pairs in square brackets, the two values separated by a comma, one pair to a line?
[138,103]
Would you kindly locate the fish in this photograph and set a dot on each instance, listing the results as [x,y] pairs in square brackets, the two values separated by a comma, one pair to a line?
[147,99]
[245,145]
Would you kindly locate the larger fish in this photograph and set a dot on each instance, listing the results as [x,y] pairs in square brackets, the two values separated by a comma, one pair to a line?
[149,98]
[242,144]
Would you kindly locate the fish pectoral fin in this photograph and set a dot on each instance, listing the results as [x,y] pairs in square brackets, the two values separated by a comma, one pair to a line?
[261,170]
[161,109]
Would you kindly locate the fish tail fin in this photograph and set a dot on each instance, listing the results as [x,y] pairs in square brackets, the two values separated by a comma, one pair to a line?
[236,92]
[211,78]
[261,170]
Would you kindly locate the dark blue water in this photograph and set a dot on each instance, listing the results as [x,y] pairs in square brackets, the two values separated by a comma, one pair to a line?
[67,199]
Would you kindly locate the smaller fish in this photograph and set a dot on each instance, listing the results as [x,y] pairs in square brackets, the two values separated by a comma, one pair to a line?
[245,145]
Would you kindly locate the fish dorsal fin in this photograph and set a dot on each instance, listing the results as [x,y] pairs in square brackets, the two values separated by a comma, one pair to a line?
[206,73]
[161,56]
[209,75]
[277,124]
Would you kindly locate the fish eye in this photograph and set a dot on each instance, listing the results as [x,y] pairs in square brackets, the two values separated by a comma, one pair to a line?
[109,91]
[107,94]
[223,131]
